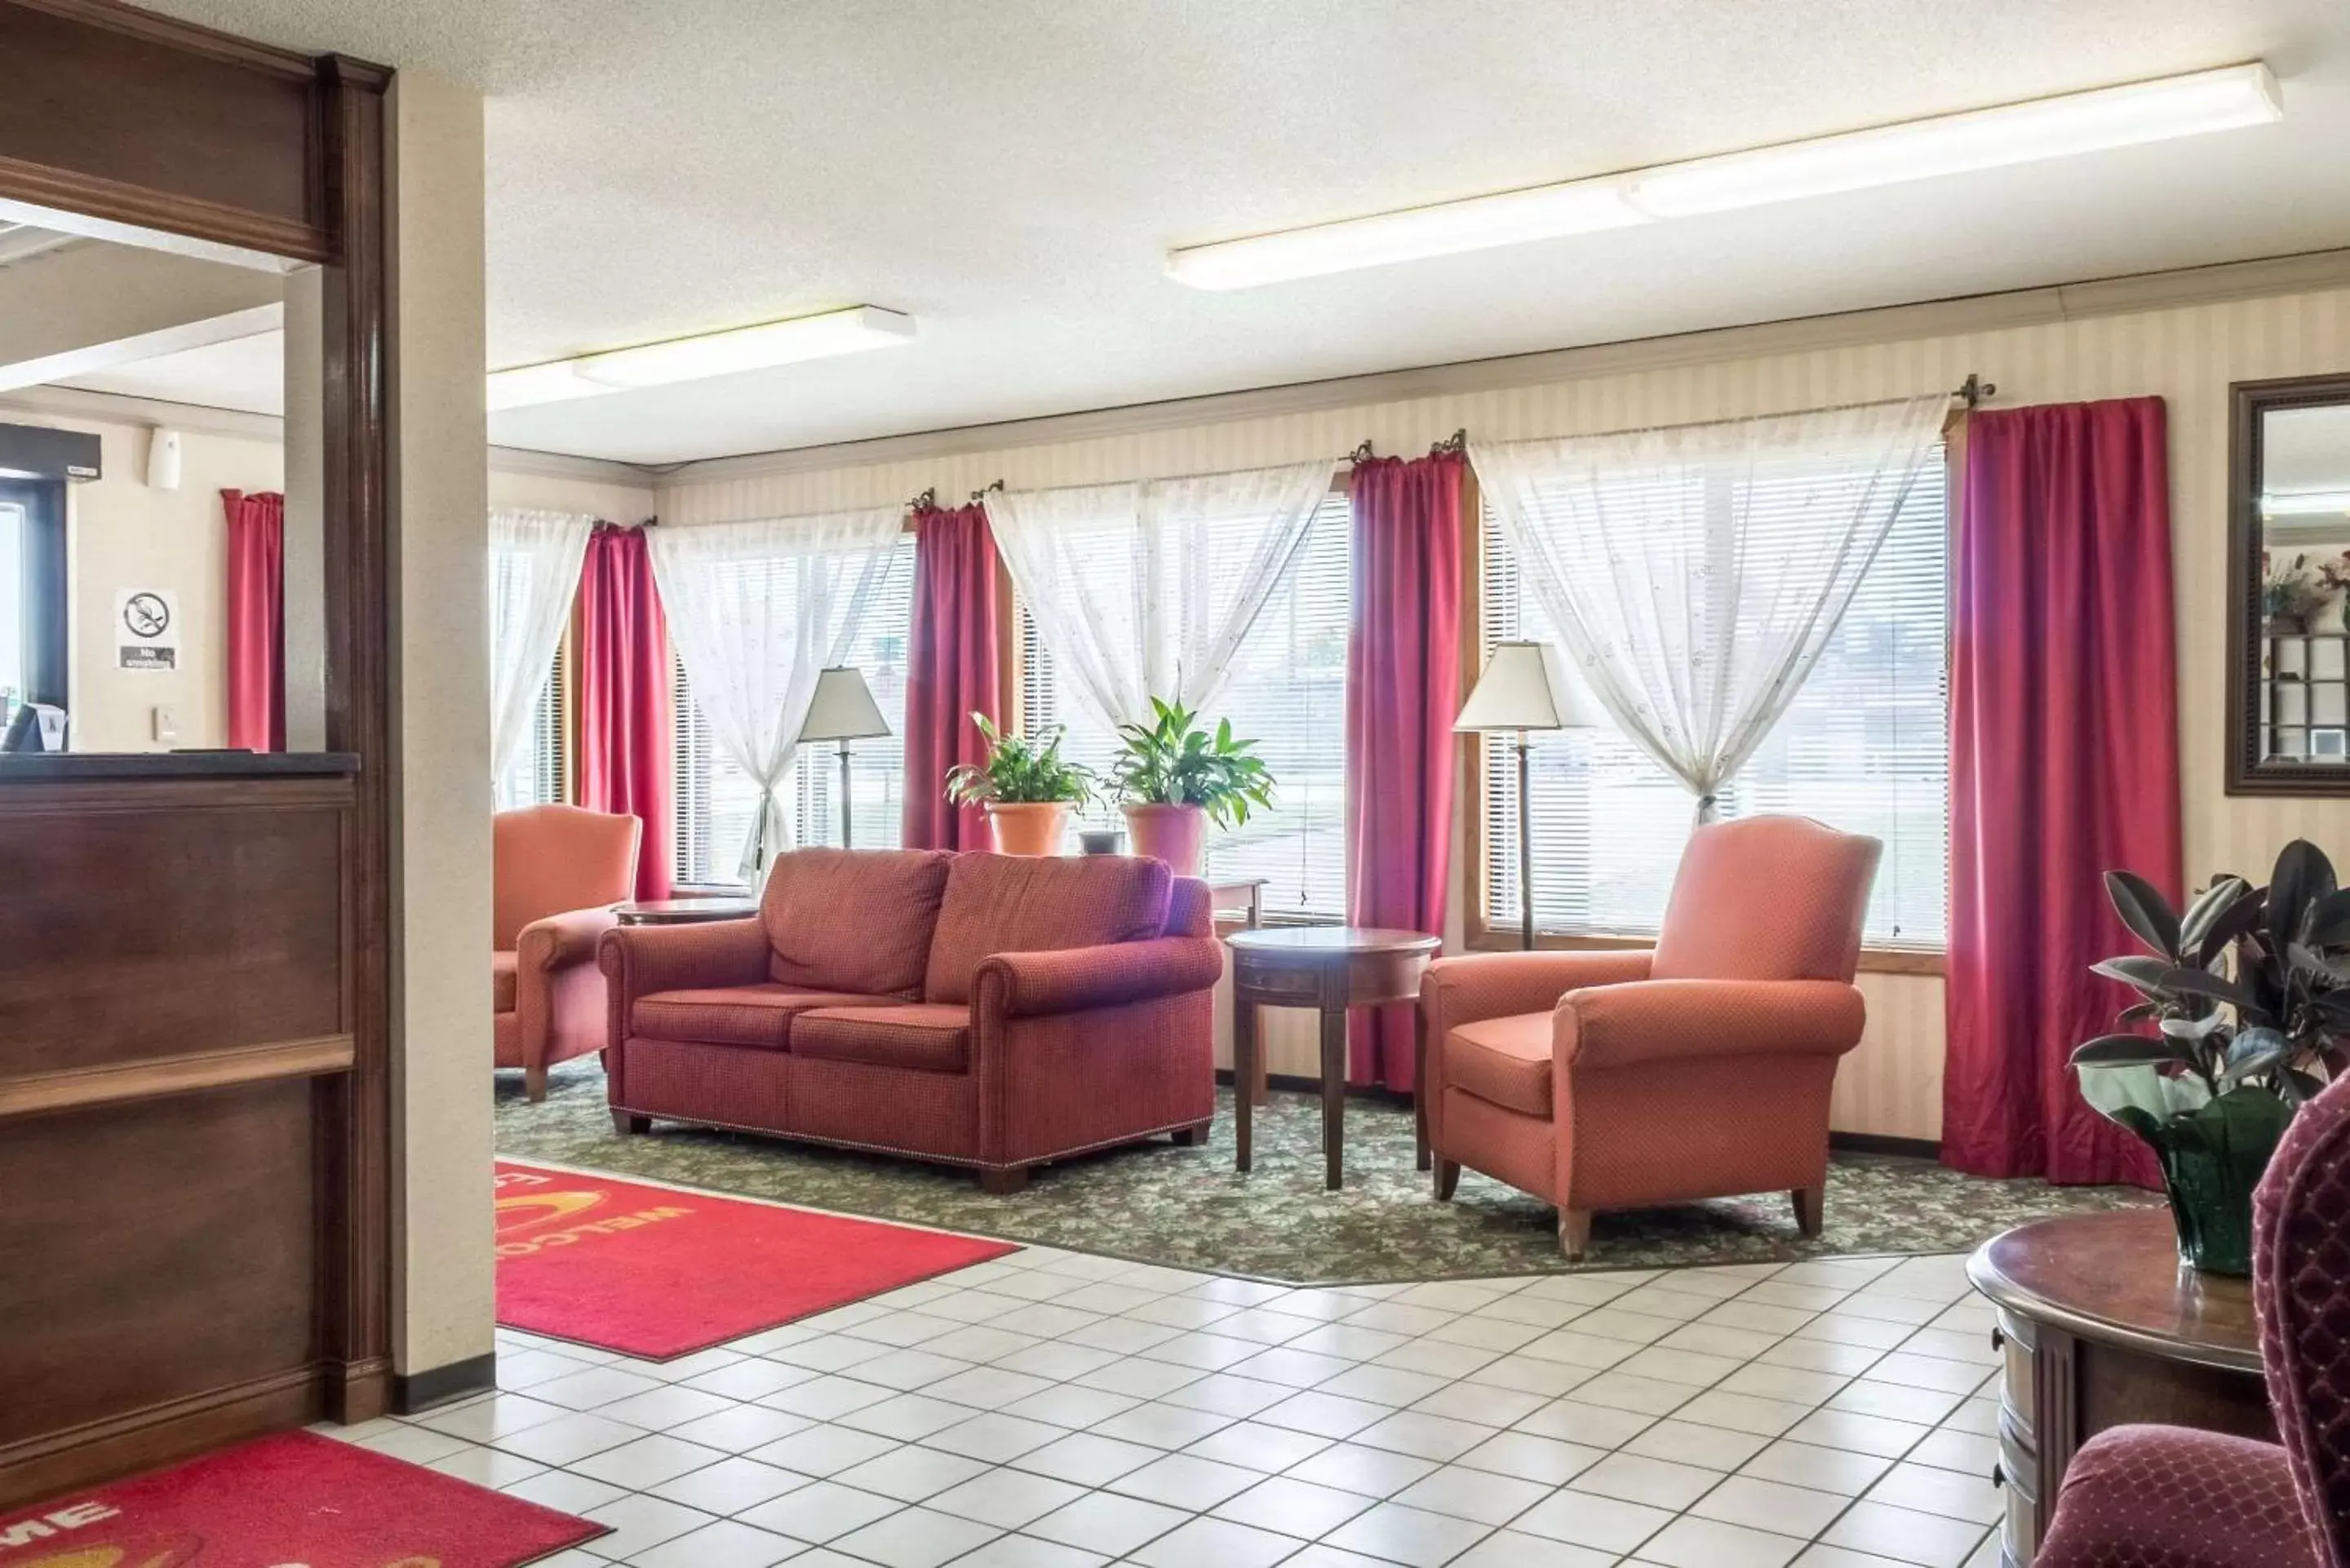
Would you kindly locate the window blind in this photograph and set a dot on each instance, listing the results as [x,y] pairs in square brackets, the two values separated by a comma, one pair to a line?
[1864,747]
[540,774]
[1288,692]
[713,800]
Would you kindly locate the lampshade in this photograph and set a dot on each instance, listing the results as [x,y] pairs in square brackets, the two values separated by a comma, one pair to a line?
[843,708]
[1526,686]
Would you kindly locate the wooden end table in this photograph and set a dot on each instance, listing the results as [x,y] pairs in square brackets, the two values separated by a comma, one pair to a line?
[2101,1324]
[1328,968]
[691,911]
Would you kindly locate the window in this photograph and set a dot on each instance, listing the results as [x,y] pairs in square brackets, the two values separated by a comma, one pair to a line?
[540,774]
[1287,691]
[32,595]
[716,800]
[1865,747]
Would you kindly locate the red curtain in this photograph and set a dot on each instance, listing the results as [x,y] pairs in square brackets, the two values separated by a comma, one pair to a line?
[624,762]
[256,620]
[952,672]
[2063,765]
[1403,689]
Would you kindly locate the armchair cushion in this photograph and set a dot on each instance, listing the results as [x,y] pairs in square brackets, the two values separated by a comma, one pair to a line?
[853,920]
[1072,980]
[1505,1061]
[734,1014]
[930,1037]
[1660,1019]
[2165,1497]
[1768,898]
[502,983]
[1006,904]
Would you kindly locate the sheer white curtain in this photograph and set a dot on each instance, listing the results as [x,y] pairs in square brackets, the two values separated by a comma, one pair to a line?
[1147,589]
[1695,571]
[756,609]
[534,559]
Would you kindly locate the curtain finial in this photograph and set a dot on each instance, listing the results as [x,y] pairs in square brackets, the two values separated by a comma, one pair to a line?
[1454,445]
[927,500]
[980,493]
[1361,454]
[1974,389]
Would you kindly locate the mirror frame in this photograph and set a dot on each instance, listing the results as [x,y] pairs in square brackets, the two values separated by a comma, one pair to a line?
[2247,402]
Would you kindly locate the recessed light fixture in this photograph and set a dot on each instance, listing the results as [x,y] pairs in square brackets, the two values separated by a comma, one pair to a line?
[697,358]
[2224,99]
[2305,504]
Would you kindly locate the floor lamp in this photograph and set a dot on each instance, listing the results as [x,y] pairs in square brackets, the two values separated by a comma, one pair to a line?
[1524,688]
[843,710]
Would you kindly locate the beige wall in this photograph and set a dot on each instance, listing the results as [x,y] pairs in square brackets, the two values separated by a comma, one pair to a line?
[2186,354]
[123,534]
[444,1268]
[613,502]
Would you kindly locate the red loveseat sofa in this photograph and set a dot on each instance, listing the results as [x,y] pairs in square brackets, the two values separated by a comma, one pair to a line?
[976,1010]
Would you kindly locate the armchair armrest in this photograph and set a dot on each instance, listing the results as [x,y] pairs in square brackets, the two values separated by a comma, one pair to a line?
[562,942]
[639,960]
[1071,980]
[1478,986]
[1662,1020]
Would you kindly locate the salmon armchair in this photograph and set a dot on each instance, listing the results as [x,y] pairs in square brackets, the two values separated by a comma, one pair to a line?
[556,871]
[1701,1069]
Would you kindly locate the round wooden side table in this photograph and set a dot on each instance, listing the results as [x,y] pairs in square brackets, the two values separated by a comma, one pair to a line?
[2101,1324]
[1328,968]
[684,912]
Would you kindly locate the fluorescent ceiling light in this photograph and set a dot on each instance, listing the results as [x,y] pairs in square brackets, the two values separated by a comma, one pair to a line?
[2305,504]
[2223,100]
[698,359]
[1479,223]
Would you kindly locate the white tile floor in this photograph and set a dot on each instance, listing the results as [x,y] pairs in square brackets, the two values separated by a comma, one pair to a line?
[1056,1410]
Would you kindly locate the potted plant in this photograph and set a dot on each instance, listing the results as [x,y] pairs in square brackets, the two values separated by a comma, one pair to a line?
[1026,787]
[1171,778]
[2249,991]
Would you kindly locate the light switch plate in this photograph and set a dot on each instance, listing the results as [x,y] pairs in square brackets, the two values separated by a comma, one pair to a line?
[166,721]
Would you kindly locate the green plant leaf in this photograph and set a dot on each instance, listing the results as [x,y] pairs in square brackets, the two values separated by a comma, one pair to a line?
[2133,969]
[2144,911]
[2205,909]
[2128,1051]
[2203,982]
[2253,1051]
[2303,877]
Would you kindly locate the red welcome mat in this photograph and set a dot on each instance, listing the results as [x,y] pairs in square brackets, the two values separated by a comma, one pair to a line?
[295,1499]
[656,1273]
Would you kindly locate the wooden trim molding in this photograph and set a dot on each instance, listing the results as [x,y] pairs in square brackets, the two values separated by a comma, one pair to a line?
[153,1077]
[135,204]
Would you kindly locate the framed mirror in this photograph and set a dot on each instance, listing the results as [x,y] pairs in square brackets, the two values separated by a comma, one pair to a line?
[2288,588]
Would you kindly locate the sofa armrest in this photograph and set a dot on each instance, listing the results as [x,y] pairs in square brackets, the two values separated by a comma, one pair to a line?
[1071,980]
[639,960]
[1478,986]
[1662,1020]
[562,942]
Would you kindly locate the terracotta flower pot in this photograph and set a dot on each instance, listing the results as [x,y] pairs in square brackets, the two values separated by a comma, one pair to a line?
[1027,827]
[1171,833]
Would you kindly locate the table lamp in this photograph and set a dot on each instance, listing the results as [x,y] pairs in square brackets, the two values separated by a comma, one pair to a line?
[1525,687]
[843,710]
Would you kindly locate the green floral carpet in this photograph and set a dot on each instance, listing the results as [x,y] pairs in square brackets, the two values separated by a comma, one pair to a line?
[1188,1208]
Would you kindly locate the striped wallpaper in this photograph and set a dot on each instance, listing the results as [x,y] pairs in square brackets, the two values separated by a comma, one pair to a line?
[2188,354]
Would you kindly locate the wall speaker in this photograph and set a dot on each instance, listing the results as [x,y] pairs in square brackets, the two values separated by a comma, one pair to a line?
[163,459]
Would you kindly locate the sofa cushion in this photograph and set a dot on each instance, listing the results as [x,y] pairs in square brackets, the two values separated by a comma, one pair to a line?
[931,1037]
[853,920]
[732,1014]
[1009,904]
[502,981]
[1504,1062]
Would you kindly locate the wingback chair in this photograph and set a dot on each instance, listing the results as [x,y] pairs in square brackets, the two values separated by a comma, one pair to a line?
[555,871]
[2140,1495]
[1701,1069]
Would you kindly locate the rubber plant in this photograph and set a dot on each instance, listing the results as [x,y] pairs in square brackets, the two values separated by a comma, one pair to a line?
[1026,787]
[1172,776]
[2249,991]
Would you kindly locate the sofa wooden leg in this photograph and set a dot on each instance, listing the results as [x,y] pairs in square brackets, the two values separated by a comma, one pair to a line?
[1448,1177]
[1193,1136]
[628,1122]
[1000,1182]
[1575,1233]
[1811,1208]
[533,1082]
